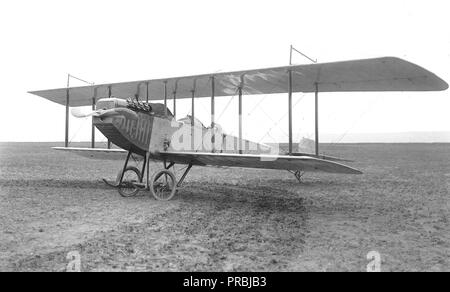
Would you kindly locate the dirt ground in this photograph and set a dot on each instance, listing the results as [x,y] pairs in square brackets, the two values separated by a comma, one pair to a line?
[52,203]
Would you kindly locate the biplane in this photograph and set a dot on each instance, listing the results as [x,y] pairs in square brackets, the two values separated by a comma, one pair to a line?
[128,116]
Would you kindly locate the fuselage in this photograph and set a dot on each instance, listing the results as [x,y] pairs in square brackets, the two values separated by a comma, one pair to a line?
[154,129]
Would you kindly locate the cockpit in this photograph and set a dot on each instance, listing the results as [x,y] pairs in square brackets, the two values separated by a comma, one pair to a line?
[157,109]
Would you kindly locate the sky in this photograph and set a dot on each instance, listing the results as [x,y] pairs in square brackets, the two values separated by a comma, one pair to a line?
[113,41]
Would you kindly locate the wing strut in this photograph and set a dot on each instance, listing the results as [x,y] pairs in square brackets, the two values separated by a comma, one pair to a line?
[165,99]
[212,113]
[290,108]
[175,100]
[109,96]
[92,125]
[241,86]
[193,116]
[317,117]
[240,119]
[66,139]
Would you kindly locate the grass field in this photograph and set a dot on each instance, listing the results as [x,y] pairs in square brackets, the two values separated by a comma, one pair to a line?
[52,203]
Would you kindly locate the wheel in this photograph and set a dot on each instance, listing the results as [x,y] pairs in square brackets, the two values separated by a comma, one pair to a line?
[130,176]
[163,185]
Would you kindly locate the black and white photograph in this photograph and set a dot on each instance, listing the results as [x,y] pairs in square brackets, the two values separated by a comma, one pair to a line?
[224,136]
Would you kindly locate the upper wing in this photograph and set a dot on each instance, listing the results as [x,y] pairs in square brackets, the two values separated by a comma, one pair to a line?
[380,74]
[303,163]
[96,153]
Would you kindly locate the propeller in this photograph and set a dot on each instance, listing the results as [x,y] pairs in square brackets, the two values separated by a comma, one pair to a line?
[78,113]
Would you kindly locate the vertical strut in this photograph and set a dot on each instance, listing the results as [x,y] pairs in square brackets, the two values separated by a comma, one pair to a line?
[66,139]
[290,108]
[175,100]
[93,127]
[165,98]
[192,120]
[317,117]
[290,55]
[146,96]
[109,96]
[212,113]
[175,105]
[192,107]
[240,120]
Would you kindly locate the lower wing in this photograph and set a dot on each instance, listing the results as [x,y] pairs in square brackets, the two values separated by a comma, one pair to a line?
[96,153]
[283,162]
[303,163]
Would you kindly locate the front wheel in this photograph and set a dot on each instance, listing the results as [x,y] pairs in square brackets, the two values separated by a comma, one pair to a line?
[131,175]
[163,185]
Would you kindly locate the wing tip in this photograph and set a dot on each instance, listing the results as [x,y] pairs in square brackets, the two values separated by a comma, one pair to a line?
[350,170]
[439,84]
[445,87]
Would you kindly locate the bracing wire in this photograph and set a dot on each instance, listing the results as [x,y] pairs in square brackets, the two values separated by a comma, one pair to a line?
[228,104]
[282,118]
[368,109]
[78,130]
[257,105]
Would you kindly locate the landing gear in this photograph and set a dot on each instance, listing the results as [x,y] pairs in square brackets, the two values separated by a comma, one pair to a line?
[131,176]
[162,185]
[298,174]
